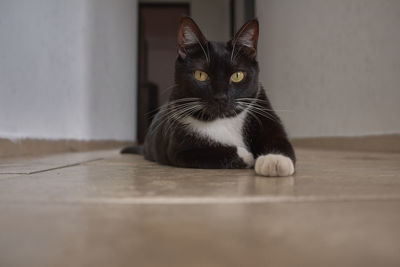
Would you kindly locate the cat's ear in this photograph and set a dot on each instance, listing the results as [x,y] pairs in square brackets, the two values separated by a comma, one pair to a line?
[189,36]
[246,38]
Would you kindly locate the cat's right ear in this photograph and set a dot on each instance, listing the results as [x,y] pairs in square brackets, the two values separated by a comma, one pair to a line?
[189,36]
[246,38]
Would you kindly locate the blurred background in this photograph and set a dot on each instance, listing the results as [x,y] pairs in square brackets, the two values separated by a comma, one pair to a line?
[80,74]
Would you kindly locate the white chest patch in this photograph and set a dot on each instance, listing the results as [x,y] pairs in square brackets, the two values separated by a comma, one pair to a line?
[227,131]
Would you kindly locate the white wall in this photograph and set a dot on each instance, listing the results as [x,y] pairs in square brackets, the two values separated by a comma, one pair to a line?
[68,69]
[334,63]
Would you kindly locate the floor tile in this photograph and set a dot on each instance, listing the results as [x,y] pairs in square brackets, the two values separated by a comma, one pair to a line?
[31,165]
[339,209]
[320,176]
[278,234]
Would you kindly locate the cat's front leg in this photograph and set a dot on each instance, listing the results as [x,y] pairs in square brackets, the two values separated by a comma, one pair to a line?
[246,156]
[220,157]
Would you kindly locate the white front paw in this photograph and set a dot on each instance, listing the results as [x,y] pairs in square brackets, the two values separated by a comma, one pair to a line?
[274,165]
[246,156]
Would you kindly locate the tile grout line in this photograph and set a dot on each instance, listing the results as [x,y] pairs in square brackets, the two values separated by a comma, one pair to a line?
[51,169]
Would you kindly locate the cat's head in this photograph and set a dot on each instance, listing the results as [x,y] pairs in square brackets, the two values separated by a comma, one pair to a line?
[216,75]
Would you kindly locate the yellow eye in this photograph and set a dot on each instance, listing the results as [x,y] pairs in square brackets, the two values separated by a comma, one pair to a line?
[200,75]
[237,76]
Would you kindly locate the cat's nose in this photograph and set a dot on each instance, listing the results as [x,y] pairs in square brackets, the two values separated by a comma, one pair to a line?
[221,98]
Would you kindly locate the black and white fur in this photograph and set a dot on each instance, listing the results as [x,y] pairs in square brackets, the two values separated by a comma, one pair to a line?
[218,123]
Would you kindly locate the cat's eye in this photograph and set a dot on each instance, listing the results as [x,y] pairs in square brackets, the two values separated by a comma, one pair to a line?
[237,76]
[200,75]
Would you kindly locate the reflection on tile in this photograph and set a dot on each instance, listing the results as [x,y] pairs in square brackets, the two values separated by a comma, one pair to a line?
[320,175]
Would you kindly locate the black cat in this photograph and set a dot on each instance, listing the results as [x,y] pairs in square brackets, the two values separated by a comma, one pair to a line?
[218,115]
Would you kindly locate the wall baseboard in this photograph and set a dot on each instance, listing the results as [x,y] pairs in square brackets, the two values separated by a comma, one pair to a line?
[378,143]
[35,147]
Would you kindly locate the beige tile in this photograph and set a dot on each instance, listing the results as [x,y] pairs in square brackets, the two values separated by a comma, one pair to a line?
[32,164]
[321,176]
[278,234]
[340,209]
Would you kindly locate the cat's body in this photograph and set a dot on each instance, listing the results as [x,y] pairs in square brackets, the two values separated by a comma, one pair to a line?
[218,115]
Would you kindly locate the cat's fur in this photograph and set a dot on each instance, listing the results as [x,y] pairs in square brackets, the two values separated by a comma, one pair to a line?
[218,123]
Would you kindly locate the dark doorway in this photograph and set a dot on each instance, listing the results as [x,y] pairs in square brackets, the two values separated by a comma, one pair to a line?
[158,24]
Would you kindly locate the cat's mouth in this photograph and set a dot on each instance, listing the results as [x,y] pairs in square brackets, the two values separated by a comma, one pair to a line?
[212,112]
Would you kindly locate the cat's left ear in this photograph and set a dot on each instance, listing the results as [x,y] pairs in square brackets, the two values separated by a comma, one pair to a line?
[246,38]
[189,37]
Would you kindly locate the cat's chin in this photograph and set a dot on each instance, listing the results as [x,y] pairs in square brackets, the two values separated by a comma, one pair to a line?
[207,115]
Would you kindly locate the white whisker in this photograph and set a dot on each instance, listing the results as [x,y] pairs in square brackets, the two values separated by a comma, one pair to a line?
[259,111]
[168,116]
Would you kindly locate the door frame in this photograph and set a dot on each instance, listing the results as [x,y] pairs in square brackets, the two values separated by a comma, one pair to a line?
[139,117]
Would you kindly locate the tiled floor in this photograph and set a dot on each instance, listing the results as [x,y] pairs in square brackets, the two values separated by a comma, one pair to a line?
[105,209]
